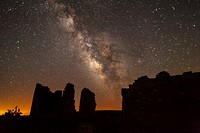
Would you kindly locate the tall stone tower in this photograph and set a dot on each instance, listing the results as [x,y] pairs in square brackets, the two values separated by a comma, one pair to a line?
[68,99]
[87,105]
[42,101]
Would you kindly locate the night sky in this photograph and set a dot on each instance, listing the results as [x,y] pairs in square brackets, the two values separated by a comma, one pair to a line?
[103,45]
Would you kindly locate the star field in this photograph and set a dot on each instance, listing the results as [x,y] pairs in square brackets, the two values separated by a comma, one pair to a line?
[100,44]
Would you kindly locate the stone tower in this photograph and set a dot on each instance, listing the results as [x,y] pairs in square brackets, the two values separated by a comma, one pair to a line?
[87,105]
[68,99]
[42,101]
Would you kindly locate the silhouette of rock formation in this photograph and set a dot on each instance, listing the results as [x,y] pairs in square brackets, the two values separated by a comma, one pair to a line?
[68,98]
[46,103]
[165,104]
[164,97]
[42,101]
[87,105]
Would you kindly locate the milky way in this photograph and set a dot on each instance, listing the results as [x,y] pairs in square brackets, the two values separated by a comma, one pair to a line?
[103,45]
[97,50]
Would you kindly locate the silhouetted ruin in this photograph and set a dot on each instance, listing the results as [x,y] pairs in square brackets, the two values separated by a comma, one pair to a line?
[164,104]
[164,94]
[161,99]
[68,102]
[87,105]
[42,103]
[46,103]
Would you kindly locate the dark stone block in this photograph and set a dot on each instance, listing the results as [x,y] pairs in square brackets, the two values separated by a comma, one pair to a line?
[87,105]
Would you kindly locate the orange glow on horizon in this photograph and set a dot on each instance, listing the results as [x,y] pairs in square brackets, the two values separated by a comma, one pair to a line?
[25,108]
